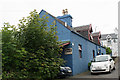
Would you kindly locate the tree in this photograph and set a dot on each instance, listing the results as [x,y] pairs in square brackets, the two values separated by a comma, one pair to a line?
[32,50]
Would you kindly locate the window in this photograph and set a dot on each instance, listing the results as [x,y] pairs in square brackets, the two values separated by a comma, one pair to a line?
[93,53]
[80,50]
[109,41]
[101,58]
[114,41]
[66,24]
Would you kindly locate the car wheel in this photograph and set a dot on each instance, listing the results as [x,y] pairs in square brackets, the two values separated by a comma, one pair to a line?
[110,69]
[92,73]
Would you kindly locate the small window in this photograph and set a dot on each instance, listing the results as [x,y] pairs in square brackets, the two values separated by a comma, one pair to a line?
[109,41]
[80,50]
[66,24]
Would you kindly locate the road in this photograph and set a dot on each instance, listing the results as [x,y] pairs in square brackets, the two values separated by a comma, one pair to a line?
[113,74]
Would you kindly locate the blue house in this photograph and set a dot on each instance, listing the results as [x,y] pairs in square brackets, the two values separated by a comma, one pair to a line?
[79,49]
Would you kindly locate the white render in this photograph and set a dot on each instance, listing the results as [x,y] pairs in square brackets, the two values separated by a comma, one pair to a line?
[111,42]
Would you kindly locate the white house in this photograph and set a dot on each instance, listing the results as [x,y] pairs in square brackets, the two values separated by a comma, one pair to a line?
[110,40]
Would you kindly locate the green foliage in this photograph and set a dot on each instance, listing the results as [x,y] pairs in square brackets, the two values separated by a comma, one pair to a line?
[30,51]
[89,64]
[108,50]
[0,55]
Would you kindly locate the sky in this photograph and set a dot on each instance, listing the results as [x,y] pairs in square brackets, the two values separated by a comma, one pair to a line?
[102,14]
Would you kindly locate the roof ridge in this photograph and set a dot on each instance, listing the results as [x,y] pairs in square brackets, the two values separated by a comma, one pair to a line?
[82,26]
[109,34]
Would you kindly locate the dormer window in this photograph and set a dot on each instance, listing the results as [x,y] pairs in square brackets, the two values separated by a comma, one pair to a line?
[91,37]
[109,41]
[96,37]
[85,31]
[114,40]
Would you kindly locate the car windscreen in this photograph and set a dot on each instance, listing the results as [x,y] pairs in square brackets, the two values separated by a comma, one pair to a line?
[101,58]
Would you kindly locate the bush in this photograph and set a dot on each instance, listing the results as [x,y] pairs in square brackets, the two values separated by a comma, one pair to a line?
[108,50]
[30,51]
[89,64]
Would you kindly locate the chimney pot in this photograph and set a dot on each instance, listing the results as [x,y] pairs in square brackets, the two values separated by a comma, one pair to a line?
[65,11]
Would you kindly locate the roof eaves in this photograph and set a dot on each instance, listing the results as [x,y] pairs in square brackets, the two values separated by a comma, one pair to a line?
[64,43]
[84,27]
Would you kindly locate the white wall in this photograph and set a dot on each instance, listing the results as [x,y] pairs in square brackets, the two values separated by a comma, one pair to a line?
[113,46]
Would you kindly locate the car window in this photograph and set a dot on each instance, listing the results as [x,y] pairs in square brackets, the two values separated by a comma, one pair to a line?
[101,58]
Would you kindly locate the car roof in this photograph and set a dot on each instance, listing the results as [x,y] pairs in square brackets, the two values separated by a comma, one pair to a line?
[102,55]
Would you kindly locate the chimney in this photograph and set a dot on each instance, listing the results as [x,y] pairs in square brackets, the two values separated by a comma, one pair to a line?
[67,18]
[65,11]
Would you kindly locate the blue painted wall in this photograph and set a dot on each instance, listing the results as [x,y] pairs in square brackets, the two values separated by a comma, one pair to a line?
[63,32]
[66,18]
[81,64]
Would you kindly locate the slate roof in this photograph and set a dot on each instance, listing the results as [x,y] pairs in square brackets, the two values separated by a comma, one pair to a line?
[96,34]
[113,35]
[84,27]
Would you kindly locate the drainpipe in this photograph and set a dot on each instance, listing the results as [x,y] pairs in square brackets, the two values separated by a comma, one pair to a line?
[96,50]
[100,49]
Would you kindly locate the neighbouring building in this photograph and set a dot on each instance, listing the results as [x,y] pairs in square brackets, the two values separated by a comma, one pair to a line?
[78,47]
[111,41]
